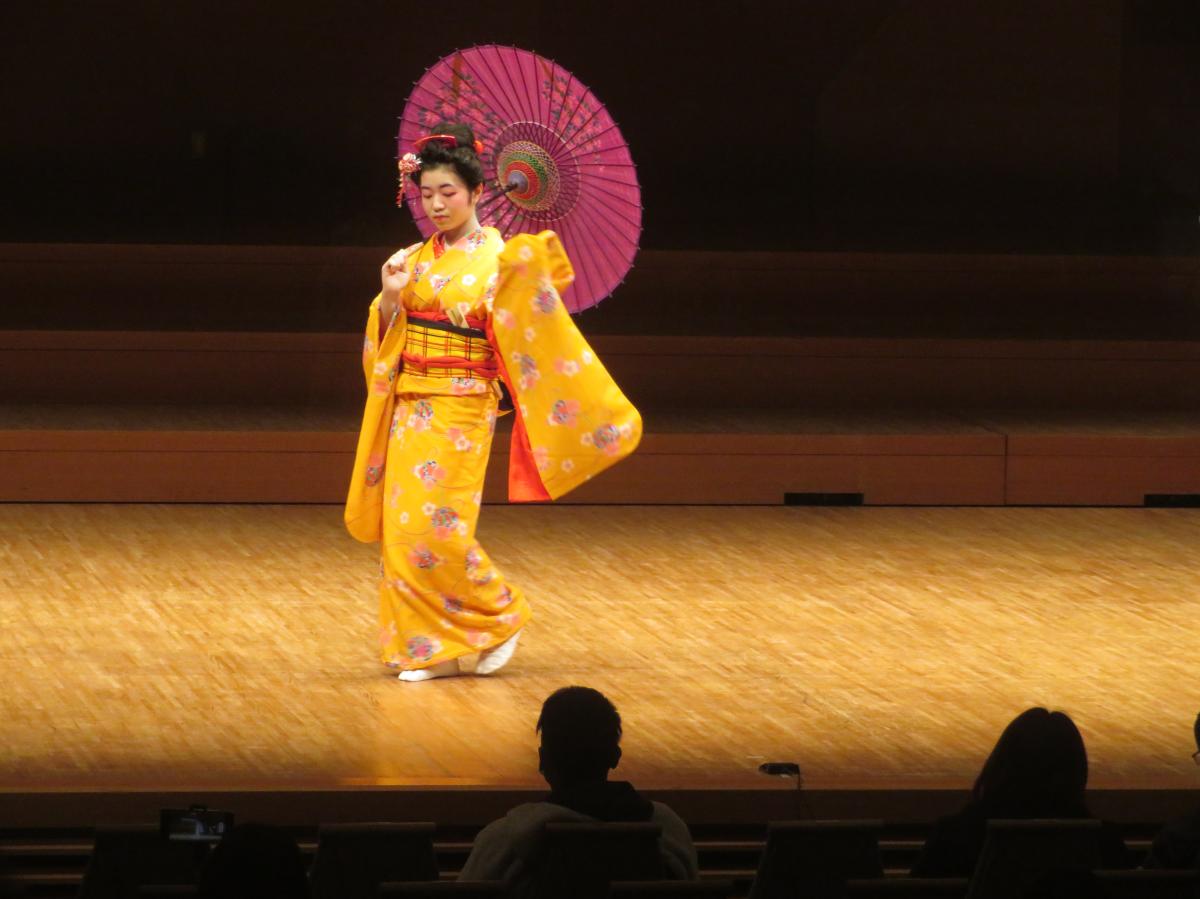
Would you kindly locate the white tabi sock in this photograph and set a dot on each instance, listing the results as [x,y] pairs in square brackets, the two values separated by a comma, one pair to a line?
[494,659]
[441,669]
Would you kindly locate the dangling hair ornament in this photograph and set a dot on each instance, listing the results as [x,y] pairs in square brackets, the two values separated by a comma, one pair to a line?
[408,164]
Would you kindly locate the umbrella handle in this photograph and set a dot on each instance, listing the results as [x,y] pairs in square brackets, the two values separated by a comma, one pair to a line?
[516,181]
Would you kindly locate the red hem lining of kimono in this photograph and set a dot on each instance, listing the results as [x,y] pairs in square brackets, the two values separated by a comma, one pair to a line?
[524,483]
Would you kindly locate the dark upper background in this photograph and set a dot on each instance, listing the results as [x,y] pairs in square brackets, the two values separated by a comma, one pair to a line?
[1041,126]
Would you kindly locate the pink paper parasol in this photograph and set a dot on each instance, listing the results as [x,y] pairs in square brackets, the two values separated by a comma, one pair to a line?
[553,158]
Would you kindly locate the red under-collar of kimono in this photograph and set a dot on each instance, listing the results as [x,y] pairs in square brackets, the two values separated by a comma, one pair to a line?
[439,241]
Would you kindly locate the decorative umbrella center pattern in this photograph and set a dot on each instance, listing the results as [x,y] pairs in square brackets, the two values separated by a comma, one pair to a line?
[531,177]
[552,156]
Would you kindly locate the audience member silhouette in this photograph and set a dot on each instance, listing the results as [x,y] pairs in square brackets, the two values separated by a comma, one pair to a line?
[255,861]
[1178,844]
[1038,769]
[580,743]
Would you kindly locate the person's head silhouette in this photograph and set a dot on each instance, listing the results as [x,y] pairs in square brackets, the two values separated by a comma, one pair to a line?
[581,736]
[1038,768]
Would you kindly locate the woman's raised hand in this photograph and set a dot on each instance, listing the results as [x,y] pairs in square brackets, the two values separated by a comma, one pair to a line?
[394,276]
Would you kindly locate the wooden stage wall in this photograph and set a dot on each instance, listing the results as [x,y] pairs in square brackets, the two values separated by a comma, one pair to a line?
[922,379]
[687,293]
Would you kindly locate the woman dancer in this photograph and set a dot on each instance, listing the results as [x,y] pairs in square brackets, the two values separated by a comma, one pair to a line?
[460,318]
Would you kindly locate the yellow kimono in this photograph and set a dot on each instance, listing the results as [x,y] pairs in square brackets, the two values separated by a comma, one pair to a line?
[471,319]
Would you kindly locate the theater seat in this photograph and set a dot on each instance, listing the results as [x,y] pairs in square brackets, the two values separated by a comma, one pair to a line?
[167,891]
[814,859]
[125,859]
[352,860]
[579,861]
[671,889]
[908,888]
[1150,884]
[437,889]
[1017,854]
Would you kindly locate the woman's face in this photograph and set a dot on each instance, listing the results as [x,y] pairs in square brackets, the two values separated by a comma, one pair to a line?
[445,198]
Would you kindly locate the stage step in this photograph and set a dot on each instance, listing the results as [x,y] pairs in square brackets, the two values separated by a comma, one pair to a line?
[1115,459]
[304,455]
[271,417]
[656,372]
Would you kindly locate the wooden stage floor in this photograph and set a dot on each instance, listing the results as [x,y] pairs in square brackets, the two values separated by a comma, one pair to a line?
[232,647]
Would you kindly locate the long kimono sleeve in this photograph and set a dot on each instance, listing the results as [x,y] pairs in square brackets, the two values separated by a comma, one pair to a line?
[364,501]
[572,420]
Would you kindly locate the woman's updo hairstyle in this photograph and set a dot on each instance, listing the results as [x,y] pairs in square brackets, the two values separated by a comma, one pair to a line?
[462,159]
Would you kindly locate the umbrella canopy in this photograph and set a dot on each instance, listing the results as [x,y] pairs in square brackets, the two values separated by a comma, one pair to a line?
[553,158]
